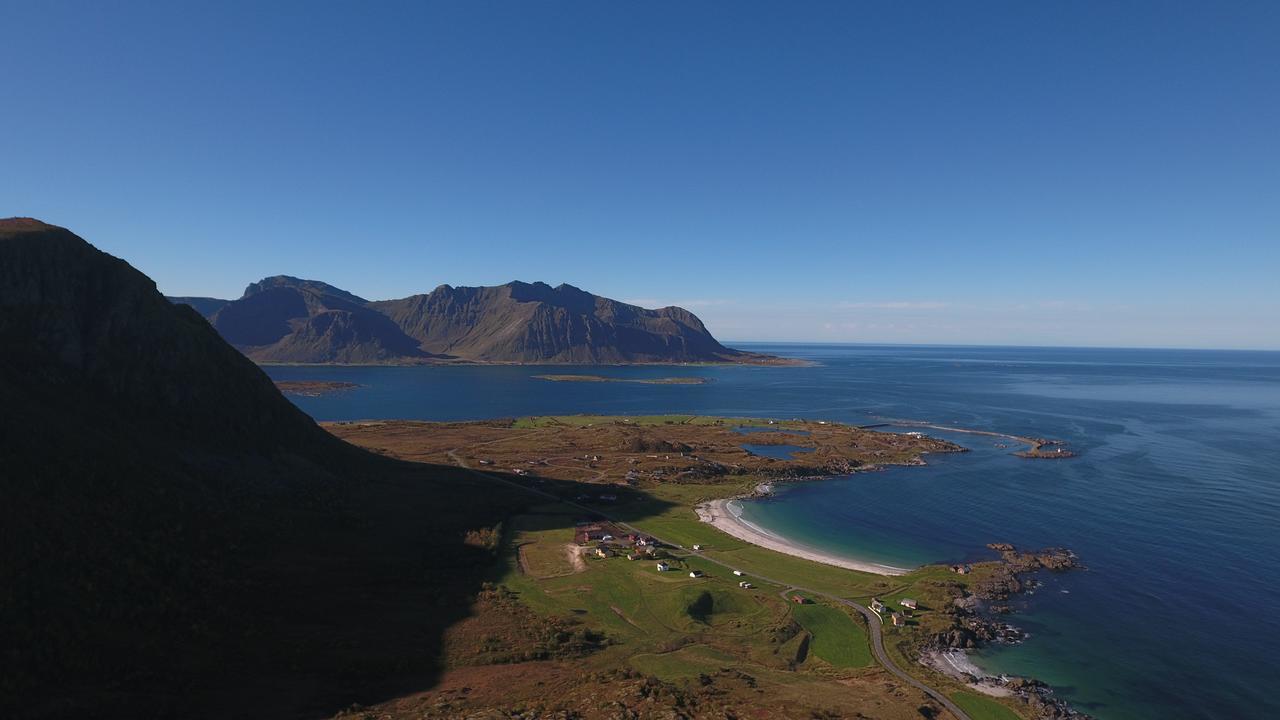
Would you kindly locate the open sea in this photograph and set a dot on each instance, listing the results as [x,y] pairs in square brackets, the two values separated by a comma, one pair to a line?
[1173,503]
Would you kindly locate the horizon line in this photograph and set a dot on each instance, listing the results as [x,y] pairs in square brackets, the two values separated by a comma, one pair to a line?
[999,345]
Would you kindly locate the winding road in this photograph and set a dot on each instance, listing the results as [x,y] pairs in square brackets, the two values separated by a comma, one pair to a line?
[873,620]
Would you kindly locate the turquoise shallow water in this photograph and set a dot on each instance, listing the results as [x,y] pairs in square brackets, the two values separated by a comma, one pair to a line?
[1174,503]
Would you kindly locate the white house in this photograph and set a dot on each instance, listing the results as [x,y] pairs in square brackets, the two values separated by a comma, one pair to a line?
[663,567]
[737,572]
[695,573]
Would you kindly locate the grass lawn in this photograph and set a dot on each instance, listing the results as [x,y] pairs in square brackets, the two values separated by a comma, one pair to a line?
[983,708]
[836,637]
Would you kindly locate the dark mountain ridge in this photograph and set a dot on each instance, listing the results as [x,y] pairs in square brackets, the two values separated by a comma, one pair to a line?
[179,540]
[286,319]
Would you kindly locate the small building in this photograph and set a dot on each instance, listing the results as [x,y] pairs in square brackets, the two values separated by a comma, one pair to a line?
[898,620]
[961,569]
[877,606]
[695,573]
[603,552]
[745,585]
[697,547]
[663,567]
[908,603]
[584,534]
[737,572]
[799,599]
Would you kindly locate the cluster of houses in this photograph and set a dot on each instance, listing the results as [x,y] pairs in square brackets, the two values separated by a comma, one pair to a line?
[899,619]
[611,541]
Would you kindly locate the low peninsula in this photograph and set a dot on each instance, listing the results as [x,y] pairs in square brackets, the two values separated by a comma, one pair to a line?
[634,541]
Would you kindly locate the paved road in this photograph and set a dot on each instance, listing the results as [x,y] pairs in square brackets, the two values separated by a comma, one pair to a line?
[873,620]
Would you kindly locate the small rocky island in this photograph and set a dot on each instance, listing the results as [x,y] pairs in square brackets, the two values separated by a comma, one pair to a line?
[639,381]
[313,388]
[1042,449]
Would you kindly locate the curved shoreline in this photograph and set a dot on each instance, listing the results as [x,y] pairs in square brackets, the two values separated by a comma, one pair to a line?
[721,515]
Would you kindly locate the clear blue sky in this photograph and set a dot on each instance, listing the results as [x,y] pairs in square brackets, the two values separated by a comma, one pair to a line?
[1079,173]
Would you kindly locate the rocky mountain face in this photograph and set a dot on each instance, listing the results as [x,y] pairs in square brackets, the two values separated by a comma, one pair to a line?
[176,538]
[535,323]
[284,319]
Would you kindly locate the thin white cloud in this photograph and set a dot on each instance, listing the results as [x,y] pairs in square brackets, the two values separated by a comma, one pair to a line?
[686,304]
[895,305]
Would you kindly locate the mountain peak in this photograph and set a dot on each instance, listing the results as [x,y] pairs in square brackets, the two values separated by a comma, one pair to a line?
[15,225]
[287,319]
[312,286]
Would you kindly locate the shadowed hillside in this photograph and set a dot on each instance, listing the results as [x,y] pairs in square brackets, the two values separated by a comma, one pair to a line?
[180,540]
[283,319]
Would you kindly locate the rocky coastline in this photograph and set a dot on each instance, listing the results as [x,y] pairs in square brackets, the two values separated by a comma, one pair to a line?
[977,620]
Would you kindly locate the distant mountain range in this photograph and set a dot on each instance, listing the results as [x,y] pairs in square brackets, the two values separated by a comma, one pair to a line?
[284,319]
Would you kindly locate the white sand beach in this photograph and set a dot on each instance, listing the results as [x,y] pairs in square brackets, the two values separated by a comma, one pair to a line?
[955,663]
[725,515]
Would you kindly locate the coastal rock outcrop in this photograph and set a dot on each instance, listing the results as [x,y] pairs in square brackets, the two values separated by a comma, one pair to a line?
[1007,581]
[975,621]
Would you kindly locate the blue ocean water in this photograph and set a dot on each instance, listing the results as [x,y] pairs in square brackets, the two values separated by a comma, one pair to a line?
[1174,502]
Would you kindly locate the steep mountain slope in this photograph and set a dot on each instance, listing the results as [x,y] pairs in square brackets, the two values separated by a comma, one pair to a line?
[206,306]
[176,538]
[530,323]
[285,319]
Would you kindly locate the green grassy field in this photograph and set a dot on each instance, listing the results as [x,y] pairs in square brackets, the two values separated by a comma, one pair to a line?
[680,628]
[983,708]
[837,638]
[676,627]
